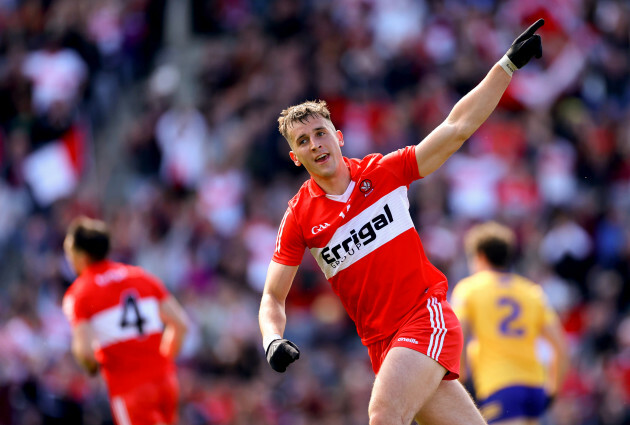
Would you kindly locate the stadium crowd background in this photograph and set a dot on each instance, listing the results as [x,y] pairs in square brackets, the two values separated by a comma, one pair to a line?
[160,117]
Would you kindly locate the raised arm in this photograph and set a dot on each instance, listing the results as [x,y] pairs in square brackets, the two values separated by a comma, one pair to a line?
[474,108]
[272,317]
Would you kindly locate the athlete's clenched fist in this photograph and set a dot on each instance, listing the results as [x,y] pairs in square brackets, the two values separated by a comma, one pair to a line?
[281,353]
[526,46]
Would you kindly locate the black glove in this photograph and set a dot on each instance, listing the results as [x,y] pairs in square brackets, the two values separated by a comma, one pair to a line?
[526,46]
[281,353]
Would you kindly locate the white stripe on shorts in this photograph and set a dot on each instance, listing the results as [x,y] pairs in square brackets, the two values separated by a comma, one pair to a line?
[429,302]
[439,329]
[438,306]
[120,411]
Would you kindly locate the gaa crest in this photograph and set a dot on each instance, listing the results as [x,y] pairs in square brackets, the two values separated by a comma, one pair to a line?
[365,186]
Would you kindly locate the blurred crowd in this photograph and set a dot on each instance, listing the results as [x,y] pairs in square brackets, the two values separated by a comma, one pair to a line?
[203,179]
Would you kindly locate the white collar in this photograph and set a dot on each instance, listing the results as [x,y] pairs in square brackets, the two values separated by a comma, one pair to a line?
[346,194]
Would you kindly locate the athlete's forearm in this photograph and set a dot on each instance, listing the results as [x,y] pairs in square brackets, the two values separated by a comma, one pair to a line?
[554,334]
[474,108]
[172,341]
[559,370]
[465,118]
[272,316]
[176,326]
[83,346]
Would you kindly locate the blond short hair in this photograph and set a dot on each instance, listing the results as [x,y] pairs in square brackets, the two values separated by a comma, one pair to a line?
[494,241]
[301,113]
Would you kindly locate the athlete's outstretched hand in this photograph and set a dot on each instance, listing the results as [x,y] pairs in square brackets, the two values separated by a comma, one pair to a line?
[281,353]
[526,46]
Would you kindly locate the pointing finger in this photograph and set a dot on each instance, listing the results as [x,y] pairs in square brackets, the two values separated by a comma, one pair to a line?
[533,28]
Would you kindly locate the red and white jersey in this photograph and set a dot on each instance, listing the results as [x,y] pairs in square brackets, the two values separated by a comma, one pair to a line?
[121,303]
[366,245]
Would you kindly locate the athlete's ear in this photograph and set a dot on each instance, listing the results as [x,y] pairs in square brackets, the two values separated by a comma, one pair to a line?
[340,138]
[79,261]
[295,159]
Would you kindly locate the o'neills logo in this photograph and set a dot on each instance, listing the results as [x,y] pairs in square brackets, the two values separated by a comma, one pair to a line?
[357,239]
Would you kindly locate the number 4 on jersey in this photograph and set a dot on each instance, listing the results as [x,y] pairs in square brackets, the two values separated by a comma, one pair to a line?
[131,304]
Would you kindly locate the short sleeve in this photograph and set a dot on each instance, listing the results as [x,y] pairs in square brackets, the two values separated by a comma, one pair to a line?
[403,163]
[459,301]
[74,309]
[160,290]
[290,243]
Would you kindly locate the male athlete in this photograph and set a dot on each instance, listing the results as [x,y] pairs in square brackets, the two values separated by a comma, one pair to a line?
[125,323]
[504,315]
[353,217]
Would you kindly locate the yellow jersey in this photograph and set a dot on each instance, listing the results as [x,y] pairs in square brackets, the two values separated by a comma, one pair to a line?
[505,314]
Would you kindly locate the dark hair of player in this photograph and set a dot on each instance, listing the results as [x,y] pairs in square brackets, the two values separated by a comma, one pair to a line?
[495,241]
[90,236]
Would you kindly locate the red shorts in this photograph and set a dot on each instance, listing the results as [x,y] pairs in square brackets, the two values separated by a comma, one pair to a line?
[148,404]
[433,330]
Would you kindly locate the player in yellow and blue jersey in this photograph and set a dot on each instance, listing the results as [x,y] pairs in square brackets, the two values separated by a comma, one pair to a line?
[502,316]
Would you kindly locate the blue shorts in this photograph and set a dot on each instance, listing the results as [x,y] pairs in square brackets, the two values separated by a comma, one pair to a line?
[514,402]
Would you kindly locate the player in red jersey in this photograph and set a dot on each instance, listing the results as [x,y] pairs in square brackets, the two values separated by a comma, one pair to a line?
[353,217]
[125,323]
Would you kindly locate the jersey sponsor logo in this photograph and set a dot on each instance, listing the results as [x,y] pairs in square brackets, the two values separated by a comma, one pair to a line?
[411,340]
[372,228]
[357,238]
[316,229]
[132,318]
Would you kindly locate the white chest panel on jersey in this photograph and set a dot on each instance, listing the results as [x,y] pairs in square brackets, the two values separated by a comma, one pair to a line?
[132,318]
[369,230]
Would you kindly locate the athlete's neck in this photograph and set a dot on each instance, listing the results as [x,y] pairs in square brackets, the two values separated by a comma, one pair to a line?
[335,185]
[487,267]
[480,264]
